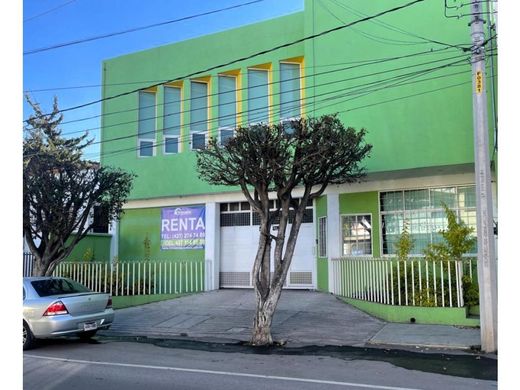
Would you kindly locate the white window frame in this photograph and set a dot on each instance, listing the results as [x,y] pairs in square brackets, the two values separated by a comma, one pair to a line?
[169,137]
[220,129]
[154,147]
[282,121]
[371,254]
[402,190]
[198,133]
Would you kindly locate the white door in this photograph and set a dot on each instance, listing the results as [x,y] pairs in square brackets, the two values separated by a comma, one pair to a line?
[239,243]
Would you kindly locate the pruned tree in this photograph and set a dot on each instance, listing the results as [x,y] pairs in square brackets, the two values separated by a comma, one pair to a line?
[303,156]
[60,190]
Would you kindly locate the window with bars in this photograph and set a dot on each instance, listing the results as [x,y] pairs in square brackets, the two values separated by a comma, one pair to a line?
[243,208]
[322,237]
[357,235]
[423,210]
[146,124]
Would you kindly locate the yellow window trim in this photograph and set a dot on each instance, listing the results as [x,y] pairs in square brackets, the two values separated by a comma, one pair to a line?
[298,60]
[151,89]
[175,84]
[235,72]
[266,66]
[203,79]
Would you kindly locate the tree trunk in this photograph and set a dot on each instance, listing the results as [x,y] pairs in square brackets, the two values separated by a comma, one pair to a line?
[264,317]
[43,266]
[38,268]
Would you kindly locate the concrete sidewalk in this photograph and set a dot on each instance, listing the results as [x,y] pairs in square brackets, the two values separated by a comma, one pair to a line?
[302,318]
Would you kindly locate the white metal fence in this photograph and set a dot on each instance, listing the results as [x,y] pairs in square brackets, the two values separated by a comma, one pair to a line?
[139,277]
[28,261]
[416,282]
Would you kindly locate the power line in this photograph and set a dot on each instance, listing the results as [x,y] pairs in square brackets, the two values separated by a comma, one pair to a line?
[97,37]
[134,149]
[300,40]
[313,99]
[361,62]
[396,29]
[378,85]
[372,37]
[376,61]
[333,82]
[48,11]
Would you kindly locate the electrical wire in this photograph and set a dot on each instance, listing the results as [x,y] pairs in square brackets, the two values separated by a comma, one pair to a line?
[131,30]
[373,62]
[382,85]
[48,11]
[397,29]
[333,82]
[361,62]
[372,37]
[134,149]
[361,89]
[253,55]
[312,101]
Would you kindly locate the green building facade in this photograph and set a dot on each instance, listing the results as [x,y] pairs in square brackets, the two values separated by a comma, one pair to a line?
[404,76]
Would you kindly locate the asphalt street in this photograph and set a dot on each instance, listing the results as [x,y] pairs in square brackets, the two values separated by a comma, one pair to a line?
[112,364]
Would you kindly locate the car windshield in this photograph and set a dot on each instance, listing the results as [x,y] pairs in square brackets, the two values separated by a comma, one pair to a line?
[46,287]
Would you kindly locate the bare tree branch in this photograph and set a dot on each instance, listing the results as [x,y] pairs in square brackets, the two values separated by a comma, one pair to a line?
[270,161]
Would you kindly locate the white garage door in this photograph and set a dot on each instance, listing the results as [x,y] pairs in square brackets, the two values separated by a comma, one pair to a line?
[239,243]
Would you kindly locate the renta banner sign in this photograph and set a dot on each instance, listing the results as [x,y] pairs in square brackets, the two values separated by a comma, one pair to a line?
[183,227]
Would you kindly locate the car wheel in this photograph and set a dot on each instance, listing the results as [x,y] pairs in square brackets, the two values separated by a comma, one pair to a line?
[87,335]
[28,338]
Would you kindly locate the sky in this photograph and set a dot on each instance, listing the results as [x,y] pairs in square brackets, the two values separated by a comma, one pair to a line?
[47,23]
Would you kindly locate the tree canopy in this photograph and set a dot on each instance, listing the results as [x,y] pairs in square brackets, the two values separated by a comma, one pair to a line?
[61,189]
[293,162]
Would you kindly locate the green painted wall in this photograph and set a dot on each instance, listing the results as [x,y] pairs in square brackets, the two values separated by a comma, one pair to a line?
[135,226]
[415,121]
[136,300]
[364,203]
[422,315]
[98,243]
[322,262]
[176,173]
[430,129]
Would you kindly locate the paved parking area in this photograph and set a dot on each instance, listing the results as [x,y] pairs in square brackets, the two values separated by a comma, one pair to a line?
[302,318]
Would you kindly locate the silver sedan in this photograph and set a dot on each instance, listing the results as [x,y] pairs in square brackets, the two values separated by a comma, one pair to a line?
[55,306]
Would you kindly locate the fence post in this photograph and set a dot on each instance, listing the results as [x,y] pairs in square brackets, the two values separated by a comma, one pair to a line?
[449,283]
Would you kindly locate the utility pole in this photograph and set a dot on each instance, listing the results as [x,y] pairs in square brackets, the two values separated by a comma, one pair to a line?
[487,267]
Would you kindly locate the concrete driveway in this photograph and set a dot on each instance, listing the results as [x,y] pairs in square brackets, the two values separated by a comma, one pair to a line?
[302,318]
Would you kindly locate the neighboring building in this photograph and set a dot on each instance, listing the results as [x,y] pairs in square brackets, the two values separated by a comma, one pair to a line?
[389,75]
